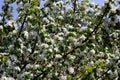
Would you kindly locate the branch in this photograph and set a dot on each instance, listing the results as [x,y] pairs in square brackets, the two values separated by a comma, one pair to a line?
[22,26]
[3,24]
[33,49]
[44,73]
[74,8]
[94,31]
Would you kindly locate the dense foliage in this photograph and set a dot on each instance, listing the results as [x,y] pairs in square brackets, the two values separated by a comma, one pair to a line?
[60,40]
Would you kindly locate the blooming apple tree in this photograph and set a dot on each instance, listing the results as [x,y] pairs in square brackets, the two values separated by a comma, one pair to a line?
[60,40]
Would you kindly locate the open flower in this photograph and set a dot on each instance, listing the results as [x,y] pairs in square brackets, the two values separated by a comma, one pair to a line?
[57,56]
[71,70]
[113,8]
[26,34]
[63,77]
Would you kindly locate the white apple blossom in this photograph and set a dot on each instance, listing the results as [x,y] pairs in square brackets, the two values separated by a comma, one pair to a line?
[117,57]
[6,78]
[17,68]
[56,49]
[63,77]
[30,16]
[10,23]
[50,50]
[36,66]
[20,5]
[60,2]
[71,70]
[107,61]
[82,37]
[113,7]
[47,40]
[52,41]
[11,46]
[92,51]
[26,34]
[73,39]
[14,32]
[114,34]
[29,49]
[101,54]
[70,26]
[92,63]
[60,38]
[54,4]
[109,71]
[69,8]
[47,9]
[56,73]
[1,27]
[83,27]
[92,4]
[98,13]
[33,33]
[57,56]
[3,54]
[14,58]
[44,45]
[71,34]
[20,40]
[42,57]
[50,64]
[91,29]
[65,30]
[118,61]
[61,34]
[106,1]
[91,9]
[27,5]
[51,18]
[60,17]
[93,45]
[26,73]
[72,57]
[93,36]
[28,66]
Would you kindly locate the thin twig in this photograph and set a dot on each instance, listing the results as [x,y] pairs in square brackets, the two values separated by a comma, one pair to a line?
[3,24]
[22,25]
[43,72]
[74,8]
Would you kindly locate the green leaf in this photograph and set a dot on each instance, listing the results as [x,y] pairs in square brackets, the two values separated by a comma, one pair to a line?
[71,34]
[35,2]
[89,68]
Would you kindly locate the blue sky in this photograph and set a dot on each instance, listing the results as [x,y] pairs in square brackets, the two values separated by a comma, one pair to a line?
[98,1]
[15,13]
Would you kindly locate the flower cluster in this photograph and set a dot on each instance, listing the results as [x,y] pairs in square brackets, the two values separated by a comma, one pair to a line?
[60,40]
